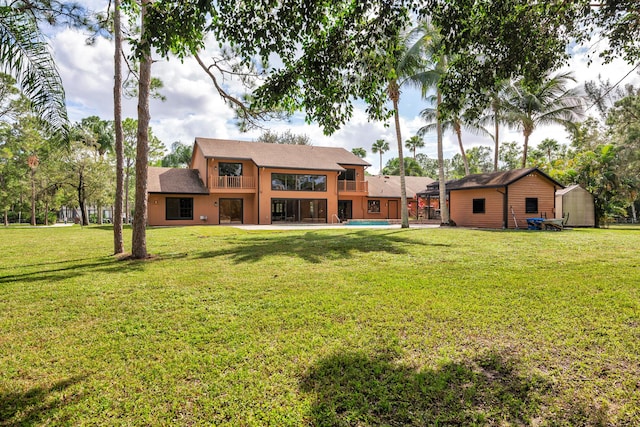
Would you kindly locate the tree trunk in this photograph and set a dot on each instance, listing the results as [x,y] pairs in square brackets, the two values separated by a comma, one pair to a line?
[84,218]
[444,210]
[6,218]
[46,212]
[458,131]
[496,126]
[525,149]
[127,213]
[118,240]
[394,94]
[139,238]
[33,196]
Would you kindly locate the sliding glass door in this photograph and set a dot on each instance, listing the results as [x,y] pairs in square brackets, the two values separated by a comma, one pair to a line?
[299,210]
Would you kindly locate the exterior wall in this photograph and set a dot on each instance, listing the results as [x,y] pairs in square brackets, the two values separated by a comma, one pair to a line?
[266,193]
[578,204]
[202,206]
[461,207]
[533,185]
[199,162]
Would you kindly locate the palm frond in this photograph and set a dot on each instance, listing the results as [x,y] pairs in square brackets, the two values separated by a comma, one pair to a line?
[24,54]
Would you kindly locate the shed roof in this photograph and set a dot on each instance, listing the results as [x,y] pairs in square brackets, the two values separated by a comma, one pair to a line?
[175,180]
[569,189]
[280,155]
[487,180]
[389,185]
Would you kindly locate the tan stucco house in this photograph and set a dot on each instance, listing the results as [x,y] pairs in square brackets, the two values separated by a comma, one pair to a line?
[240,182]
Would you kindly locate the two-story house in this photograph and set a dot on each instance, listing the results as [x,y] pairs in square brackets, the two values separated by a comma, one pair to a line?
[237,182]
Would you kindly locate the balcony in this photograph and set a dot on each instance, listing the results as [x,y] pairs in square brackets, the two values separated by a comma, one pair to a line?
[345,186]
[234,183]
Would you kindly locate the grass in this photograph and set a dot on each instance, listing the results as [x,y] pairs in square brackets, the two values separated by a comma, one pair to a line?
[321,327]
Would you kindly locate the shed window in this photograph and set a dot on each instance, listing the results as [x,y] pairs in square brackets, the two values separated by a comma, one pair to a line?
[478,206]
[179,208]
[531,205]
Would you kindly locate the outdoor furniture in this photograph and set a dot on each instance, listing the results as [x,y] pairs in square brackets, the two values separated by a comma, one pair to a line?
[553,224]
[535,223]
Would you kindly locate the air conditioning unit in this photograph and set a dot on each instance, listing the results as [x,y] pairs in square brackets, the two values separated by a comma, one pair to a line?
[203,217]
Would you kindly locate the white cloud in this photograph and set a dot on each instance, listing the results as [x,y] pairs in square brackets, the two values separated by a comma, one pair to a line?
[193,107]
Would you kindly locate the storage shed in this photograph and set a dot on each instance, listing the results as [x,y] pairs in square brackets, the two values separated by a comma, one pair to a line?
[578,204]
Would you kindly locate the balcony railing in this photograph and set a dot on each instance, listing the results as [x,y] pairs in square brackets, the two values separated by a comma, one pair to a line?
[233,182]
[353,186]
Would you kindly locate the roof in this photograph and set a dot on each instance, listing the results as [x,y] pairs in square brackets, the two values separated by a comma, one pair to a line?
[284,156]
[389,186]
[569,189]
[175,180]
[488,180]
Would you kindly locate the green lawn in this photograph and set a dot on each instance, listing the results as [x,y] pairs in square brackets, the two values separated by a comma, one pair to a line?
[350,327]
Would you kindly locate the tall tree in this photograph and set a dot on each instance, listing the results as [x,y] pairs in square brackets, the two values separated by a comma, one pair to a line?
[380,146]
[139,236]
[552,102]
[411,167]
[118,238]
[179,157]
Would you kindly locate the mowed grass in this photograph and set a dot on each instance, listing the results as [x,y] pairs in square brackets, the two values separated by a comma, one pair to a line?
[349,327]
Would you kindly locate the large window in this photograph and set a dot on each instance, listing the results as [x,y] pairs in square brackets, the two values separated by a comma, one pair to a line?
[298,210]
[179,208]
[478,206]
[230,169]
[294,182]
[531,205]
[373,206]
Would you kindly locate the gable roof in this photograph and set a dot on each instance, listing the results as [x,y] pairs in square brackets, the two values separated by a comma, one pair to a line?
[175,180]
[283,156]
[488,180]
[389,186]
[571,188]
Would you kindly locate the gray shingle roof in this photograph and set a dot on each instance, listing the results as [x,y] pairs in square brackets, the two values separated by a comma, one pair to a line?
[280,155]
[174,180]
[487,180]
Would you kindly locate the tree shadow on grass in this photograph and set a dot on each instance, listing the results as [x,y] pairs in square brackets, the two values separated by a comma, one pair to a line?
[37,404]
[364,390]
[313,246]
[68,269]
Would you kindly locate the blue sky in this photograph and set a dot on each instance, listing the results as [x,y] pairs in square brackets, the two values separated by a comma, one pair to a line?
[193,108]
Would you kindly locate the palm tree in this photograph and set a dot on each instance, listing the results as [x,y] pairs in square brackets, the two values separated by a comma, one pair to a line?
[414,143]
[549,103]
[495,116]
[455,123]
[549,146]
[24,55]
[438,65]
[408,67]
[380,146]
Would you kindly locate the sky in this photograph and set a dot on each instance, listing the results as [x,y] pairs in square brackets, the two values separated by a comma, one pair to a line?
[194,109]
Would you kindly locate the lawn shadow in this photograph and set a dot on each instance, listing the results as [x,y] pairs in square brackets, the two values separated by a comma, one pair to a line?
[34,406]
[312,246]
[364,390]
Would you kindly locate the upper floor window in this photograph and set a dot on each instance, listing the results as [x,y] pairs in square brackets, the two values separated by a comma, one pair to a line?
[230,169]
[294,182]
[347,175]
[531,205]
